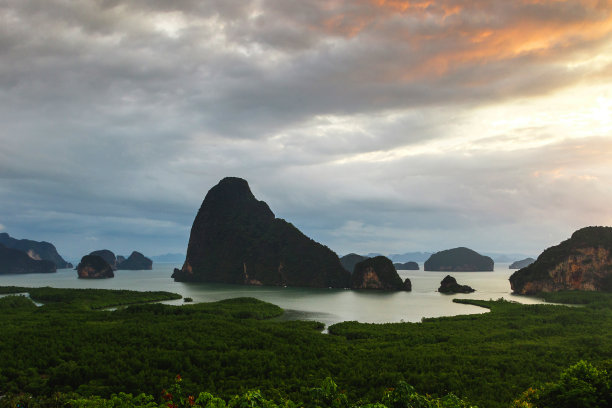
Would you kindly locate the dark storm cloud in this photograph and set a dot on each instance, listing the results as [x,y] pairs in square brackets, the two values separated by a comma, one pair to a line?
[118,116]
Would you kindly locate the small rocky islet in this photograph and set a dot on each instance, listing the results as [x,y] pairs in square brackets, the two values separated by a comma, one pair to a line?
[100,264]
[94,267]
[378,273]
[449,285]
[136,260]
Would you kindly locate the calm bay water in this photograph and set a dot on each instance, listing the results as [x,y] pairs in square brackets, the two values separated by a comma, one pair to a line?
[325,305]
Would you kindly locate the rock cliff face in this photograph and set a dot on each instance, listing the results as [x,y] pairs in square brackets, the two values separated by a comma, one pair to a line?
[14,261]
[35,250]
[458,260]
[136,261]
[583,262]
[349,261]
[407,266]
[449,285]
[521,264]
[237,239]
[94,267]
[108,256]
[376,273]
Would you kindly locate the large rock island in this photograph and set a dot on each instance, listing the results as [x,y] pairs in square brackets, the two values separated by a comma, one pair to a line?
[583,262]
[458,260]
[94,267]
[236,238]
[37,250]
[14,261]
[108,256]
[378,273]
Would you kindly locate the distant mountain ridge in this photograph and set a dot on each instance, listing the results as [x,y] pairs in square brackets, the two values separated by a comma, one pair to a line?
[410,256]
[172,257]
[38,250]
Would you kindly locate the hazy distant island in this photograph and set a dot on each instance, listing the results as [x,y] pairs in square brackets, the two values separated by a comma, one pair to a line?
[458,260]
[410,256]
[236,238]
[173,257]
[521,264]
[37,250]
[407,266]
[94,267]
[582,262]
[349,261]
[378,273]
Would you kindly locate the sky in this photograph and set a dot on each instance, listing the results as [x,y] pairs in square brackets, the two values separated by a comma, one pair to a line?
[371,125]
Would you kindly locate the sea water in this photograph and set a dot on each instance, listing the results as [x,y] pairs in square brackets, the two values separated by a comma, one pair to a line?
[325,305]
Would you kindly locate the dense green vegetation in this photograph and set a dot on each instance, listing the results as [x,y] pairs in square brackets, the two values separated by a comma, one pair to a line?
[230,347]
[328,395]
[580,386]
[89,298]
[594,299]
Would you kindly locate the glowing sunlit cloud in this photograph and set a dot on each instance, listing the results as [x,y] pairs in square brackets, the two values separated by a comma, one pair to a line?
[169,23]
[461,33]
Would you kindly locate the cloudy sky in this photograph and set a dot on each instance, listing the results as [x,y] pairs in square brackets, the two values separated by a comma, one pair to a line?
[372,125]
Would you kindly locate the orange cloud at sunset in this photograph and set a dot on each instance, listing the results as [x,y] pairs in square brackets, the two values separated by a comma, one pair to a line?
[447,35]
